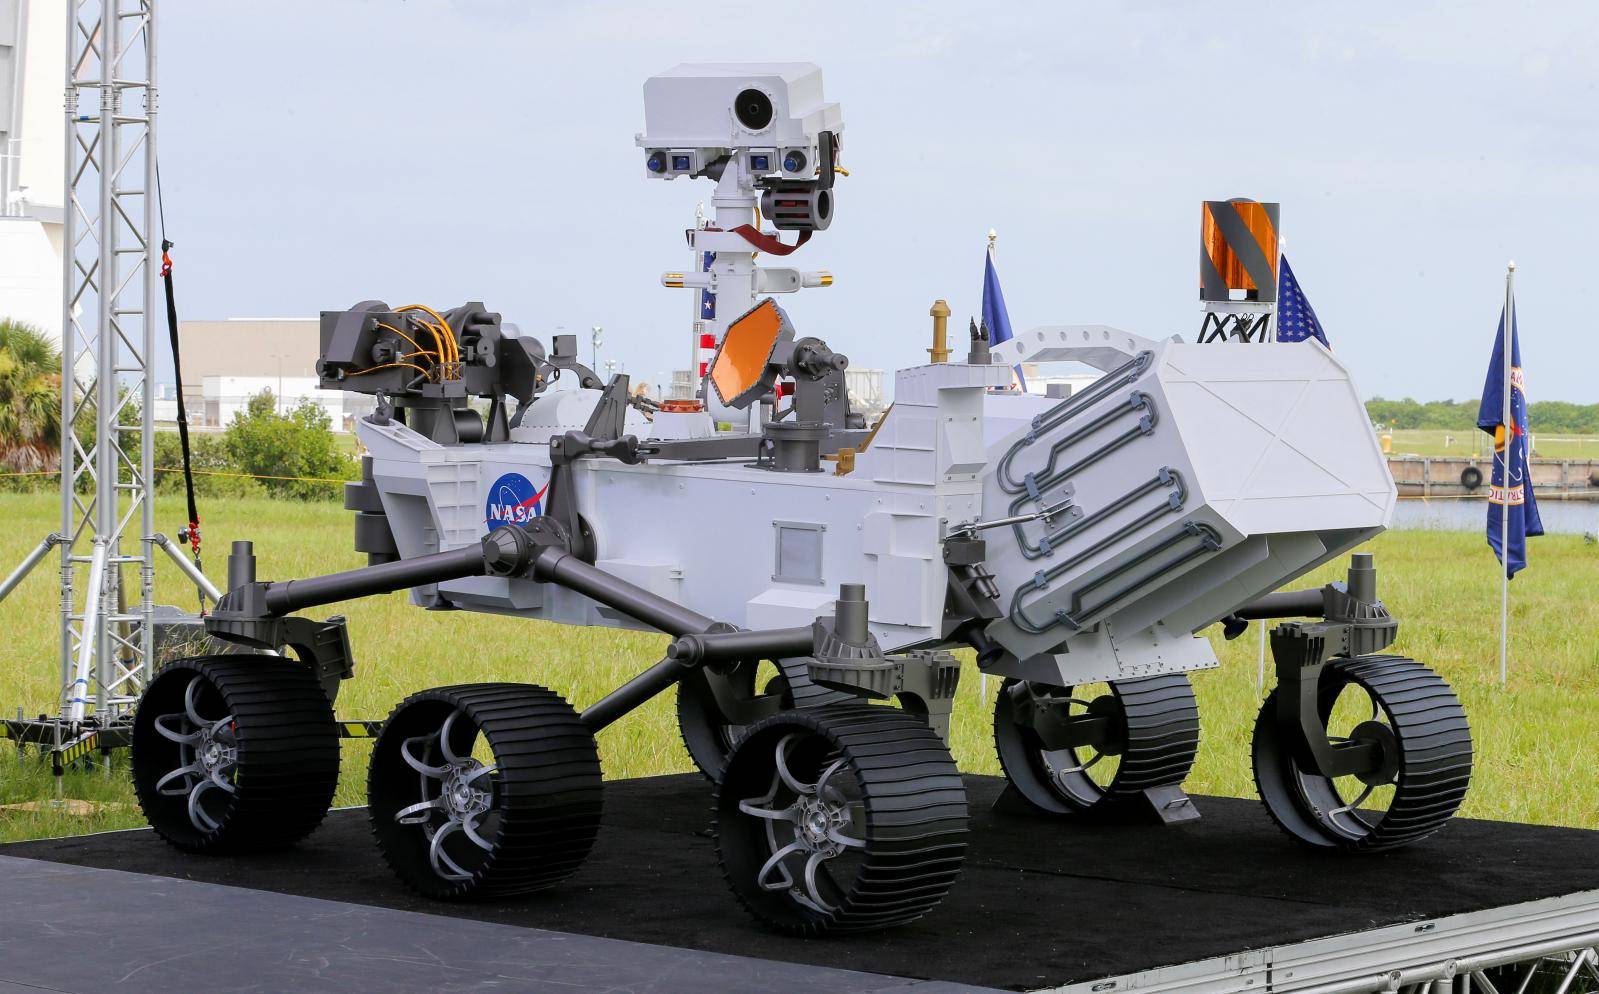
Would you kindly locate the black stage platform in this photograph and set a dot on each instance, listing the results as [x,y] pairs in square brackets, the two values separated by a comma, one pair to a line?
[1040,904]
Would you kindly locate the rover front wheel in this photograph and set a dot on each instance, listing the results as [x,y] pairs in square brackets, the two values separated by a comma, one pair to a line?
[234,753]
[846,818]
[1072,750]
[484,790]
[1417,775]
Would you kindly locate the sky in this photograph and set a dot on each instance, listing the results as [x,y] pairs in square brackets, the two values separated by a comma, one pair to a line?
[316,154]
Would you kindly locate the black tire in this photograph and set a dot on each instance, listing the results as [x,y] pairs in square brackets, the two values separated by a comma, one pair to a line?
[525,823]
[876,842]
[1154,735]
[1471,478]
[263,755]
[1425,769]
[706,731]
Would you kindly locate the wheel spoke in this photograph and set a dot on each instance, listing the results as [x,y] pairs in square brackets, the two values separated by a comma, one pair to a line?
[182,771]
[776,862]
[788,814]
[198,815]
[417,814]
[469,826]
[441,859]
[857,825]
[224,726]
[782,768]
[1352,805]
[1078,766]
[810,881]
[821,781]
[444,738]
[188,703]
[436,772]
[217,777]
[480,771]
[182,738]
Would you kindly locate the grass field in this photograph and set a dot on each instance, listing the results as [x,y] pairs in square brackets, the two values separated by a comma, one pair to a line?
[1537,741]
[1463,444]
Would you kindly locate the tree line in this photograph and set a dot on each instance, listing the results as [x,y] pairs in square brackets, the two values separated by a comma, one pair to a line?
[1547,416]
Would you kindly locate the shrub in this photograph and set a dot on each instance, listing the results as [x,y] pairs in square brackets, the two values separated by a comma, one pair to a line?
[216,474]
[288,453]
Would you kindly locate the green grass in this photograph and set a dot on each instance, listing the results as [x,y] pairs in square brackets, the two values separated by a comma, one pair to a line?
[1537,740]
[1464,444]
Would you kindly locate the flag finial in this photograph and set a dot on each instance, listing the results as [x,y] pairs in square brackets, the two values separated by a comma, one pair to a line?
[1512,265]
[992,236]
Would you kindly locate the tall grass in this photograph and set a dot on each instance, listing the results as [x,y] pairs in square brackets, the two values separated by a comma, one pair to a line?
[1537,739]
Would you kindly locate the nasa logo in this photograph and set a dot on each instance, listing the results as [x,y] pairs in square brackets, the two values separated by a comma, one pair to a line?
[513,500]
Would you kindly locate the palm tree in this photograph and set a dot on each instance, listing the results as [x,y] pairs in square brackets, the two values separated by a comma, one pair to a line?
[30,399]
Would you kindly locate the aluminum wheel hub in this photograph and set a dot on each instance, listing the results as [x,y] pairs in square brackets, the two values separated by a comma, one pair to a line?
[461,798]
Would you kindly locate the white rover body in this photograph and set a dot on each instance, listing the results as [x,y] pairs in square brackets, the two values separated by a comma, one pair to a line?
[1270,444]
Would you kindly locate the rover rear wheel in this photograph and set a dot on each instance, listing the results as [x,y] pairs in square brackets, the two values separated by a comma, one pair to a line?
[1105,747]
[1412,785]
[234,753]
[846,818]
[484,790]
[709,735]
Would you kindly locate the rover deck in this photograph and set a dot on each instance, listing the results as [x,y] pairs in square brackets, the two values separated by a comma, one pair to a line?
[1223,904]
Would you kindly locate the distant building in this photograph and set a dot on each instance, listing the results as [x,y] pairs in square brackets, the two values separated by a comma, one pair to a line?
[32,143]
[225,363]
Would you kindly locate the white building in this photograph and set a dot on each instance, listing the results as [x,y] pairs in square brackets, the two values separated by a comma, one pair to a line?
[226,396]
[32,144]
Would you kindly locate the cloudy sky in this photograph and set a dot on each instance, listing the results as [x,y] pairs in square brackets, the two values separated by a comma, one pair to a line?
[319,153]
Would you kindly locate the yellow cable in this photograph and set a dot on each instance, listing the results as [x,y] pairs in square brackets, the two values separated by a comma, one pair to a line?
[387,365]
[419,349]
[455,354]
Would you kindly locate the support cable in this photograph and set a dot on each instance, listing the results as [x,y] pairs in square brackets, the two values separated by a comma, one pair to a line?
[192,532]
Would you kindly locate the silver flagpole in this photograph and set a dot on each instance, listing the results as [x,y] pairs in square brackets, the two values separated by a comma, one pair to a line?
[1504,508]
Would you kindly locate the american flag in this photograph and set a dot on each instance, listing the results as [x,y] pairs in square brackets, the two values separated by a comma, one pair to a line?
[1296,320]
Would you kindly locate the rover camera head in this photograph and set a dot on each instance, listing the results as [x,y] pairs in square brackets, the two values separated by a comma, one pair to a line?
[769,116]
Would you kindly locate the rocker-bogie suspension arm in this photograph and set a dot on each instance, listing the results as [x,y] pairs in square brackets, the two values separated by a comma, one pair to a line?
[253,611]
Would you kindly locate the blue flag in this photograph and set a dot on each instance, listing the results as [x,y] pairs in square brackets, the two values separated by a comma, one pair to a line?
[1510,452]
[1296,321]
[994,314]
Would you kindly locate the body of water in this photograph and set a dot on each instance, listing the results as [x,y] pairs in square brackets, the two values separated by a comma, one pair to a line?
[1560,517]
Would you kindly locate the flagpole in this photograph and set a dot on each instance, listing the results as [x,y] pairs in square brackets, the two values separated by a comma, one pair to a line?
[1504,457]
[993,236]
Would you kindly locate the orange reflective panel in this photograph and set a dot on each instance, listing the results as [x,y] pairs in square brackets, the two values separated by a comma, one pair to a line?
[746,348]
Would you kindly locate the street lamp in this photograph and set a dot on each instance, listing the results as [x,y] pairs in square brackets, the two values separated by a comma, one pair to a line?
[280,356]
[596,340]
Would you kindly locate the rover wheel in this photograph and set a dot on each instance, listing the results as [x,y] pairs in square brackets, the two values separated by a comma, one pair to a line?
[845,818]
[234,753]
[1413,785]
[1136,735]
[484,790]
[706,731]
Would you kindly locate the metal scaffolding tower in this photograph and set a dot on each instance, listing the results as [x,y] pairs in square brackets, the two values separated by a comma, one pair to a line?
[111,264]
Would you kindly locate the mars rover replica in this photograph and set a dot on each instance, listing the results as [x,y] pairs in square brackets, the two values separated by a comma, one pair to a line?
[1067,542]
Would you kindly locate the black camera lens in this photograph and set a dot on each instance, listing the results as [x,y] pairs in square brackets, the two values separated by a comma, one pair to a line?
[753,109]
